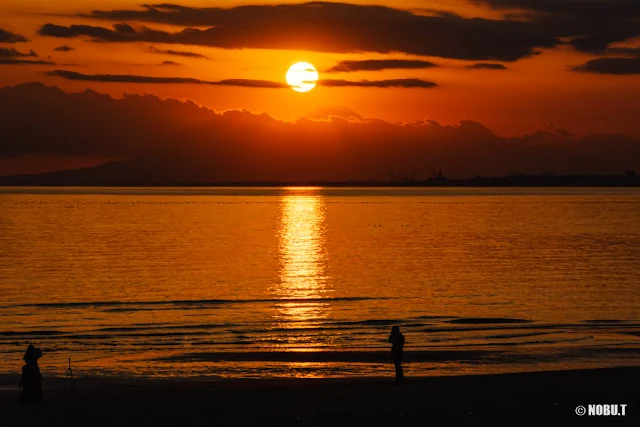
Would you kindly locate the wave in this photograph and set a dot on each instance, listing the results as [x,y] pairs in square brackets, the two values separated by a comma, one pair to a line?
[31,333]
[605,321]
[484,320]
[373,322]
[161,327]
[133,335]
[329,356]
[187,303]
[535,342]
[518,335]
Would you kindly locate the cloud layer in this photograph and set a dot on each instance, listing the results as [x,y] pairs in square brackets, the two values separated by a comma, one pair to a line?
[487,66]
[619,66]
[173,140]
[14,53]
[415,83]
[8,37]
[526,26]
[589,26]
[379,64]
[631,51]
[11,61]
[593,24]
[64,48]
[180,53]
[125,78]
[318,26]
[11,56]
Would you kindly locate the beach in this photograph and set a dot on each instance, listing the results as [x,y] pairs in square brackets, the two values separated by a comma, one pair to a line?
[523,399]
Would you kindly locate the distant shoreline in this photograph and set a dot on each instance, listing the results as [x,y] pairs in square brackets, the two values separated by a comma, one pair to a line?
[628,180]
[135,174]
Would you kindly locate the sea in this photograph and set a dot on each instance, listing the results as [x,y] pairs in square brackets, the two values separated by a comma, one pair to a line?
[308,281]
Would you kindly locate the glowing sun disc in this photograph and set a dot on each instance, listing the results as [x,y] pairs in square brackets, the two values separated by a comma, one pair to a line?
[302,77]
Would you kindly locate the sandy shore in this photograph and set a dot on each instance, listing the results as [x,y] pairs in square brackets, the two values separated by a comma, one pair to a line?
[525,399]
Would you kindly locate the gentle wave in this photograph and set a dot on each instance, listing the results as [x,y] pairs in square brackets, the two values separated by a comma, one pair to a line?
[328,356]
[484,320]
[31,333]
[90,304]
[503,329]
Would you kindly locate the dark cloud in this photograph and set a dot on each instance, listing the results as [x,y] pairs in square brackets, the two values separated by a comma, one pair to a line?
[630,51]
[97,33]
[618,66]
[11,56]
[8,37]
[124,78]
[252,83]
[24,62]
[64,48]
[415,83]
[593,24]
[13,53]
[598,43]
[604,9]
[192,143]
[379,64]
[487,66]
[170,63]
[327,27]
[436,12]
[184,54]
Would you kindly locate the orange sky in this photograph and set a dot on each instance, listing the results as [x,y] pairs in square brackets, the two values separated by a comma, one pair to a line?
[531,93]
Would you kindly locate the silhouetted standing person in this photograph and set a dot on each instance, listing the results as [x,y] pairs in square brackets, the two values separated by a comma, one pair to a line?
[397,339]
[31,380]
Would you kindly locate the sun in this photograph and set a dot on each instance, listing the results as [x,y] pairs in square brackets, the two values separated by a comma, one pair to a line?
[302,77]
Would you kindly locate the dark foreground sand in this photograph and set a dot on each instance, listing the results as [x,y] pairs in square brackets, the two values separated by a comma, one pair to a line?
[529,399]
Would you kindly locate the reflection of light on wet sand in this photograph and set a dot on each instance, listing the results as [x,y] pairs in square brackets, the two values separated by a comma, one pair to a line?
[302,258]
[305,369]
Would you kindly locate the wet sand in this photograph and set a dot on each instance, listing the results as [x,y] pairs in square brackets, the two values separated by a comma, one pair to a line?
[523,399]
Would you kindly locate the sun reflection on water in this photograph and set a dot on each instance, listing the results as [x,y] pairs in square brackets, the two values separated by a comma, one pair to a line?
[302,256]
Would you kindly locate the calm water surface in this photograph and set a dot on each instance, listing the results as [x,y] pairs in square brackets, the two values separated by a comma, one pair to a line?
[254,282]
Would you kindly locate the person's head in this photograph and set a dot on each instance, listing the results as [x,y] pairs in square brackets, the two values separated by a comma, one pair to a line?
[32,354]
[395,329]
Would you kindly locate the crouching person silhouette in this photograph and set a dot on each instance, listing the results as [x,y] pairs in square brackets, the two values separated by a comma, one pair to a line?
[31,380]
[397,339]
